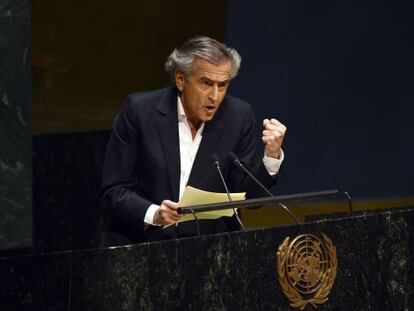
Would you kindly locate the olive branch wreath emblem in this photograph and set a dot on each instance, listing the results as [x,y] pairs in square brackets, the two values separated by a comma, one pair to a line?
[320,296]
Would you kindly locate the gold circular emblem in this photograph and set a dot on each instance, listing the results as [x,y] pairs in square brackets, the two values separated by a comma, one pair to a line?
[307,269]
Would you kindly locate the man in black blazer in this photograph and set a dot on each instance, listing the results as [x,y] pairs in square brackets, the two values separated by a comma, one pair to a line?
[163,140]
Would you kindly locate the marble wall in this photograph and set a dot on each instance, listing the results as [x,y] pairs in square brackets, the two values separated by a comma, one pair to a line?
[15,125]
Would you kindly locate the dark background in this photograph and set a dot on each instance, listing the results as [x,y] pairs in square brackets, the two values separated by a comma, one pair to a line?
[338,74]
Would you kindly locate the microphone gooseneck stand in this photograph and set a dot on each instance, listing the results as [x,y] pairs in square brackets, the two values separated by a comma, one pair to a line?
[239,164]
[216,162]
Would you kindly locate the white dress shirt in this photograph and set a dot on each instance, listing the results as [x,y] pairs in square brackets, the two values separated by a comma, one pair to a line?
[188,152]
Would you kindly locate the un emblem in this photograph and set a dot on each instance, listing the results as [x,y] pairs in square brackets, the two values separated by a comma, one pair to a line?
[306,269]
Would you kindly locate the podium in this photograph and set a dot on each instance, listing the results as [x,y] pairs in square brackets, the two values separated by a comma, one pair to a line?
[232,271]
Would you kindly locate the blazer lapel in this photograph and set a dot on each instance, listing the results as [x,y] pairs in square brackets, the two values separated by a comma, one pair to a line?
[167,126]
[210,143]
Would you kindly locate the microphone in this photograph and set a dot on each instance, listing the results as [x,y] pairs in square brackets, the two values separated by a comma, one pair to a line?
[216,162]
[239,164]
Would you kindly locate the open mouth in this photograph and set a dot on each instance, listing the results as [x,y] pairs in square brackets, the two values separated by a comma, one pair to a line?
[210,109]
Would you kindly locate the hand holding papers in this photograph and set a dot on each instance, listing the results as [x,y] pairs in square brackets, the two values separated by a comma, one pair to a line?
[193,196]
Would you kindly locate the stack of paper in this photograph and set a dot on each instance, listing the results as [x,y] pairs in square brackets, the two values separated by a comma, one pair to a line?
[193,196]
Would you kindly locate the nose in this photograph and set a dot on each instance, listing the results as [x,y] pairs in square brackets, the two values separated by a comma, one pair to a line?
[214,93]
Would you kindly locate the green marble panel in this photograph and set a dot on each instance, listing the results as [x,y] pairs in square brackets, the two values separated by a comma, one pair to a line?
[15,125]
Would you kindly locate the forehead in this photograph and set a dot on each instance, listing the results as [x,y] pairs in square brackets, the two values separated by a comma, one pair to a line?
[205,69]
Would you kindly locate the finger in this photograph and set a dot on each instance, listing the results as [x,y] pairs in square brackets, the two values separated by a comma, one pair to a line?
[269,139]
[271,126]
[166,217]
[174,216]
[170,204]
[165,212]
[275,126]
[275,122]
[266,121]
[172,219]
[273,132]
[278,124]
[276,135]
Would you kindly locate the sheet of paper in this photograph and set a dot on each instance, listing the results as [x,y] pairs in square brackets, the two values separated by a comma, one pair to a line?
[193,196]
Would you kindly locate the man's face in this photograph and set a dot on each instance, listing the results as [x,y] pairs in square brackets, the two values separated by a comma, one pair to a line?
[203,90]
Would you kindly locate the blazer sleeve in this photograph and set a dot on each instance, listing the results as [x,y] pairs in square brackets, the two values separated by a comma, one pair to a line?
[118,195]
[247,152]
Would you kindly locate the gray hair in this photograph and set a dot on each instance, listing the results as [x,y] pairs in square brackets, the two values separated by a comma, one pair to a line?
[215,52]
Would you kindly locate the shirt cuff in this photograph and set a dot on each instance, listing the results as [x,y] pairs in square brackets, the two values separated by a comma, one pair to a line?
[272,165]
[149,215]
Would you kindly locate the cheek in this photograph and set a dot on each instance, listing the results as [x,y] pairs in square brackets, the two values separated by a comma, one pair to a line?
[199,98]
[222,96]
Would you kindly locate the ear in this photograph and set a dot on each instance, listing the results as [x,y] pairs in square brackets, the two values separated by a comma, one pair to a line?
[179,80]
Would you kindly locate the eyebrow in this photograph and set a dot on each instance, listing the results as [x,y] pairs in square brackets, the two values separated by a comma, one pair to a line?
[210,80]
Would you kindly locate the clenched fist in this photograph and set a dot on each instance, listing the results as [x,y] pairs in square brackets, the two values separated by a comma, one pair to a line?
[273,135]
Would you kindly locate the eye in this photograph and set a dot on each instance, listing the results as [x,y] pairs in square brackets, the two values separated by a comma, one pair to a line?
[208,82]
[223,84]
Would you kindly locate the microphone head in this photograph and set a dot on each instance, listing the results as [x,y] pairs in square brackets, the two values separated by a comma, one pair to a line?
[235,158]
[215,158]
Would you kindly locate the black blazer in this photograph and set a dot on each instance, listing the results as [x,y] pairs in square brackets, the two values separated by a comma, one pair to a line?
[142,161]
